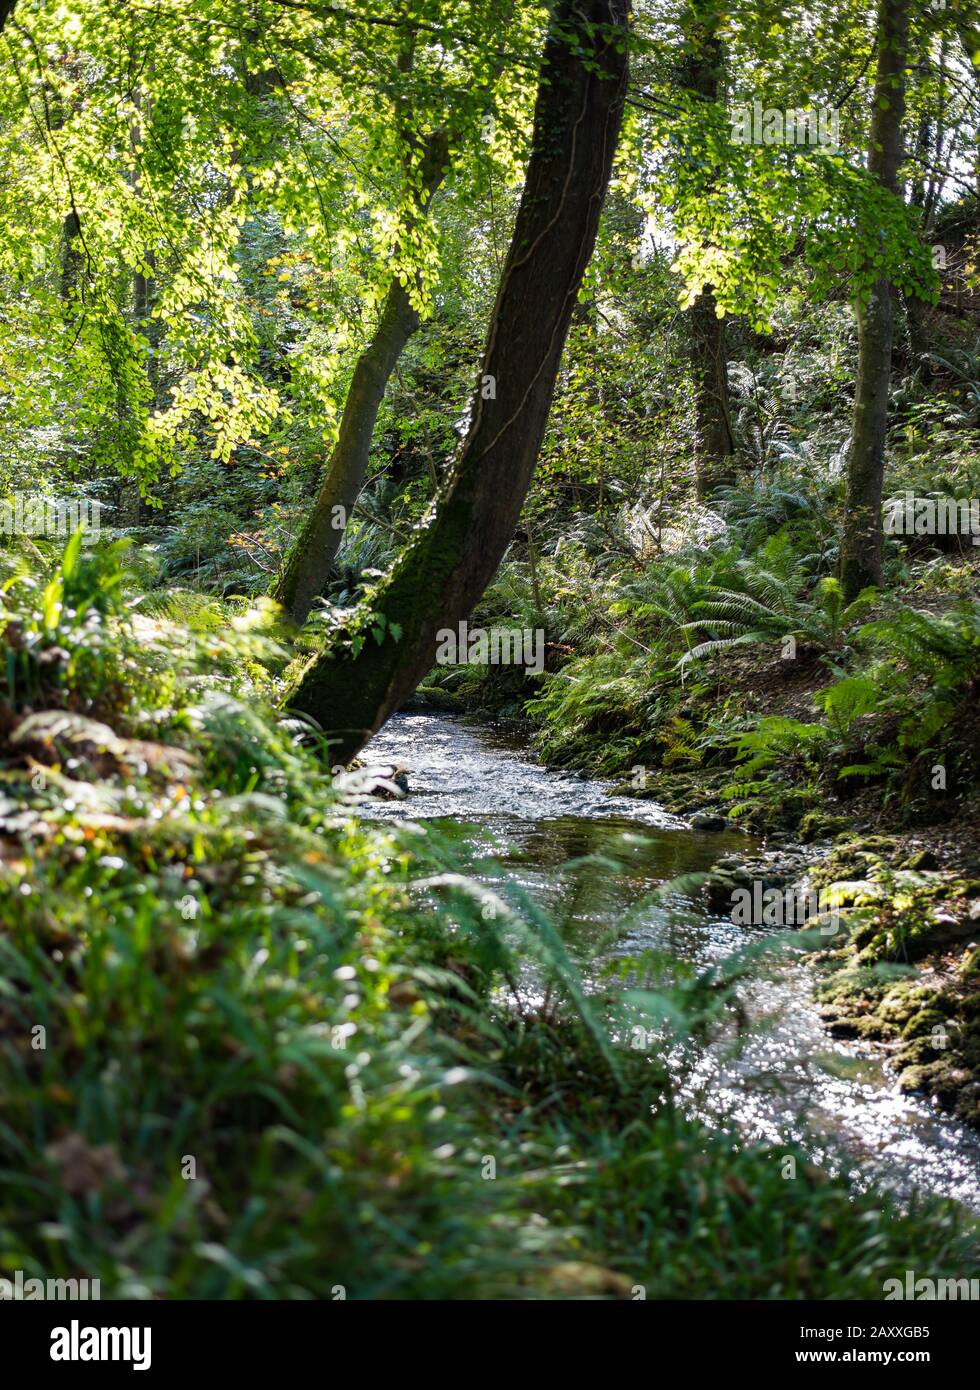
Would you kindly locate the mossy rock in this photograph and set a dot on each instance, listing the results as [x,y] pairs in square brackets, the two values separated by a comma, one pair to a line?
[918,1078]
[433,697]
[911,935]
[872,1025]
[923,1022]
[944,1079]
[817,825]
[865,931]
[918,1052]
[910,995]
[850,984]
[922,859]
[843,1028]
[856,858]
[970,1009]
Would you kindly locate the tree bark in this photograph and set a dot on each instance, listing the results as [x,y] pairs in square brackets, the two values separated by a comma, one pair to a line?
[309,561]
[714,444]
[351,689]
[312,555]
[860,555]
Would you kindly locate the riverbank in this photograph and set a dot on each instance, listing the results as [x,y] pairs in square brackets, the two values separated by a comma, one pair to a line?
[546,829]
[733,690]
[901,963]
[255,1044]
[905,969]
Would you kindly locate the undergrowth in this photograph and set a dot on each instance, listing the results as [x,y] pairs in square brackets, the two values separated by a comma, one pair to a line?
[254,1045]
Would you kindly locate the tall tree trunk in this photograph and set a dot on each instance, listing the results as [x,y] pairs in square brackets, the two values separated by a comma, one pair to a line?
[309,561]
[353,686]
[714,444]
[860,555]
[6,10]
[312,555]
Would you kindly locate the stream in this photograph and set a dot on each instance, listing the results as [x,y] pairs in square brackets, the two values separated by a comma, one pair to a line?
[792,1081]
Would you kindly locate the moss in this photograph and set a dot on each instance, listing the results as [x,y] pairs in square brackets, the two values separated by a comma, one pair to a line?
[918,1052]
[864,932]
[848,984]
[872,1025]
[944,1079]
[856,858]
[938,1029]
[968,1104]
[905,999]
[817,825]
[970,969]
[923,1023]
[921,859]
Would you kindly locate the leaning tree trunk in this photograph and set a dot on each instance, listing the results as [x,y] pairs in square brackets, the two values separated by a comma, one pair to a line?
[309,561]
[860,555]
[6,9]
[714,444]
[357,682]
[310,558]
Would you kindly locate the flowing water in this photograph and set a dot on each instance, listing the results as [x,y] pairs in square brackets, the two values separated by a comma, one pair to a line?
[508,815]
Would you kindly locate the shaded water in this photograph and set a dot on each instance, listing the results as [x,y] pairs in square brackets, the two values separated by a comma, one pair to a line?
[792,1080]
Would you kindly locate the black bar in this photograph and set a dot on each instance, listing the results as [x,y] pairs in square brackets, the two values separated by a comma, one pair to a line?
[187,1339]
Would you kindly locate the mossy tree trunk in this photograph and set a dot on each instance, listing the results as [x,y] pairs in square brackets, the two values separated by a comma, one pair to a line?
[351,687]
[310,558]
[860,555]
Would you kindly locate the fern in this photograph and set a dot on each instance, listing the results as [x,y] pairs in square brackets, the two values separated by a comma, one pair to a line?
[776,739]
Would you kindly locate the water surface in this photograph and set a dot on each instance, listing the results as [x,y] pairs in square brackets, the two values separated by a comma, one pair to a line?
[512,818]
